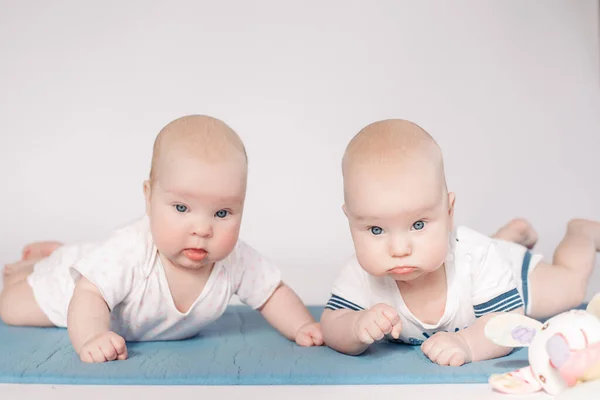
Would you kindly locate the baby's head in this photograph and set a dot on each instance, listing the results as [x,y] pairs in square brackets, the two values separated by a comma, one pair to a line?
[396,200]
[196,191]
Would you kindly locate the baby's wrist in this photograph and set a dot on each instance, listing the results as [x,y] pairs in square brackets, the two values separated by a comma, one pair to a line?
[466,345]
[302,325]
[356,324]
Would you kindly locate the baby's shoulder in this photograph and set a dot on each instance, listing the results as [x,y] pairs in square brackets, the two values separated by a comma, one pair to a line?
[470,245]
[136,233]
[242,256]
[133,244]
[351,268]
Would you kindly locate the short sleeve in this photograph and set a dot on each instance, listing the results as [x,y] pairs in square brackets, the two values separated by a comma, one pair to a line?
[256,276]
[494,288]
[349,289]
[111,266]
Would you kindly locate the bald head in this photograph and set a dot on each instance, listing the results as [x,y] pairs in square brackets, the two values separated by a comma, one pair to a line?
[390,147]
[204,137]
[391,141]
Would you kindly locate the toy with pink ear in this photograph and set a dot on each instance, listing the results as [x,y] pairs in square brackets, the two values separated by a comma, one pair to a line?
[562,352]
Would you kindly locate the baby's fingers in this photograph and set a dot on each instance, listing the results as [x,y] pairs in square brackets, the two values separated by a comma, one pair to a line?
[108,350]
[397,330]
[431,347]
[317,337]
[383,323]
[86,357]
[450,356]
[364,336]
[97,354]
[304,340]
[120,346]
[375,332]
[457,359]
[392,315]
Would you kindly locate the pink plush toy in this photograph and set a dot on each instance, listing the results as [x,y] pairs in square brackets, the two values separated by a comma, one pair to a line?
[562,352]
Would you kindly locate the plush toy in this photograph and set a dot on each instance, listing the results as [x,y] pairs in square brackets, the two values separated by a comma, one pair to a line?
[563,351]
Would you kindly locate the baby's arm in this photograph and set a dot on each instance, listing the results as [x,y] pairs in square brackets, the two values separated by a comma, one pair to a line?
[480,346]
[88,324]
[339,333]
[470,344]
[285,312]
[351,332]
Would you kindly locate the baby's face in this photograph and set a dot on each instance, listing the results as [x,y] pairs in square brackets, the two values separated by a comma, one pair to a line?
[400,221]
[195,209]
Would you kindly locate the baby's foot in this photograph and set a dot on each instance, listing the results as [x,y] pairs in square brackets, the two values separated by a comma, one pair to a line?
[17,271]
[39,250]
[519,231]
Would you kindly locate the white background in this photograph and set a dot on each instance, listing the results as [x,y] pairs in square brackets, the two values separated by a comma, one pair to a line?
[510,89]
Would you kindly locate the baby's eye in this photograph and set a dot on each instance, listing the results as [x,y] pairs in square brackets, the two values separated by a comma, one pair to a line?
[181,208]
[375,230]
[221,213]
[417,226]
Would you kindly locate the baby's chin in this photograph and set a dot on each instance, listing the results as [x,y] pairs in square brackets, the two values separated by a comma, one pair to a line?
[181,261]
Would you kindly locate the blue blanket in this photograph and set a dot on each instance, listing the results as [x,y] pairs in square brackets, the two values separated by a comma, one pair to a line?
[239,349]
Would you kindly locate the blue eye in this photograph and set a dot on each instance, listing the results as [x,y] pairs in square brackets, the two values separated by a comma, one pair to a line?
[375,230]
[417,226]
[181,208]
[221,213]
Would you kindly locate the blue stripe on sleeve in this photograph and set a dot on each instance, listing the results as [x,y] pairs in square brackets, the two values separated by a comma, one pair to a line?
[337,303]
[505,302]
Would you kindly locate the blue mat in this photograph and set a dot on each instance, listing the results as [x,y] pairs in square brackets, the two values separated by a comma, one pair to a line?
[238,349]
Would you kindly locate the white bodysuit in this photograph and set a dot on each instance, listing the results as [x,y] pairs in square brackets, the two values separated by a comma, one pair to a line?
[483,275]
[127,270]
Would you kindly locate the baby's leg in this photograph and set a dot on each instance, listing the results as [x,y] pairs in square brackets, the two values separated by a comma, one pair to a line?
[39,250]
[518,231]
[560,286]
[17,302]
[15,272]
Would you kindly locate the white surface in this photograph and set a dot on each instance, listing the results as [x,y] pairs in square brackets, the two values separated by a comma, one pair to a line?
[585,391]
[464,392]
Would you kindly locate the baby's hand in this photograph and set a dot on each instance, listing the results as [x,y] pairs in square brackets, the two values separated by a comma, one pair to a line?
[446,348]
[310,335]
[107,346]
[375,323]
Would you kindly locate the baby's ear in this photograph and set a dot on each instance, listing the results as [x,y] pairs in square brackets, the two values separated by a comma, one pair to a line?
[451,200]
[147,194]
[512,330]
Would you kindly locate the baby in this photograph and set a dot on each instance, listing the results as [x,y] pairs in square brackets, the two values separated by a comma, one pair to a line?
[168,274]
[416,278]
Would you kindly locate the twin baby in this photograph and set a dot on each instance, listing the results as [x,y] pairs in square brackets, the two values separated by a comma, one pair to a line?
[414,277]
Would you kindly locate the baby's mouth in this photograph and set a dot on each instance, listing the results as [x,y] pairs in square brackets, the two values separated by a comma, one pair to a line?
[195,254]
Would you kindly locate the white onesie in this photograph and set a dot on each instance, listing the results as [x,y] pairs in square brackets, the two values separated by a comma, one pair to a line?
[483,275]
[128,272]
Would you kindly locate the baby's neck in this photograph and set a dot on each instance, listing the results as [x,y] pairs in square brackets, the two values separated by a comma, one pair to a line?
[434,280]
[425,297]
[177,270]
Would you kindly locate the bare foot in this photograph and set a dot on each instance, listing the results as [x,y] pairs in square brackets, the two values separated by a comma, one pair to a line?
[16,272]
[39,250]
[519,231]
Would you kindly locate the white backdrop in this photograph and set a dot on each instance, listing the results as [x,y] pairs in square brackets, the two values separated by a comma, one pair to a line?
[510,90]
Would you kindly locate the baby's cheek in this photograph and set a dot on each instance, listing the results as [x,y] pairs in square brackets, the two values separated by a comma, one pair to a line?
[370,257]
[226,242]
[165,234]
